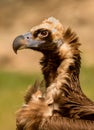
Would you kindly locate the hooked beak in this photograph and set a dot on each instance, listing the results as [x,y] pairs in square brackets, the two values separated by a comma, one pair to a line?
[26,41]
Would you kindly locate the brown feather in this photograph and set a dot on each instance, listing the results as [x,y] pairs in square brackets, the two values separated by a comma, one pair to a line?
[39,115]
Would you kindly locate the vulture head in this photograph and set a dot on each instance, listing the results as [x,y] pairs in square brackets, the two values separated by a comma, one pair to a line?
[44,38]
[48,37]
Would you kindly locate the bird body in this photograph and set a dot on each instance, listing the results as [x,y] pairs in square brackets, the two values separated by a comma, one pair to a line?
[61,68]
[38,114]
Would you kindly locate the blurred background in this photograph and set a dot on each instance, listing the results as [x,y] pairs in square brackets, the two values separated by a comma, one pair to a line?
[17,72]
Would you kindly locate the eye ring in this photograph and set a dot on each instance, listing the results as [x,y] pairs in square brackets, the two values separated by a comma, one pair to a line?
[43,33]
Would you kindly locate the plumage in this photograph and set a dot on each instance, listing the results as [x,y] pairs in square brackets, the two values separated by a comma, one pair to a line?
[38,114]
[61,68]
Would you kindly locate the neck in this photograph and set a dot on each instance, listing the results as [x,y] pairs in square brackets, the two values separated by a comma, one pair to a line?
[68,73]
[50,62]
[54,67]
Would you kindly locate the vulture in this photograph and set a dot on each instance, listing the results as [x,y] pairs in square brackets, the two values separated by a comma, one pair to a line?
[38,114]
[61,68]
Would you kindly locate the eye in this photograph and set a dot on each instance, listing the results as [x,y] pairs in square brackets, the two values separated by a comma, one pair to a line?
[50,104]
[43,33]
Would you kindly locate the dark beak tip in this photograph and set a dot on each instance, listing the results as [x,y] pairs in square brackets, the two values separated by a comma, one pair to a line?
[17,43]
[14,48]
[15,51]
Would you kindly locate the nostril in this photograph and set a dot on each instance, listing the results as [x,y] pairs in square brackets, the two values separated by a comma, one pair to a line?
[27,37]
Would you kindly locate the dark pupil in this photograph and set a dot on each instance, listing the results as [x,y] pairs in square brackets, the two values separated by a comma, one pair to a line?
[44,33]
